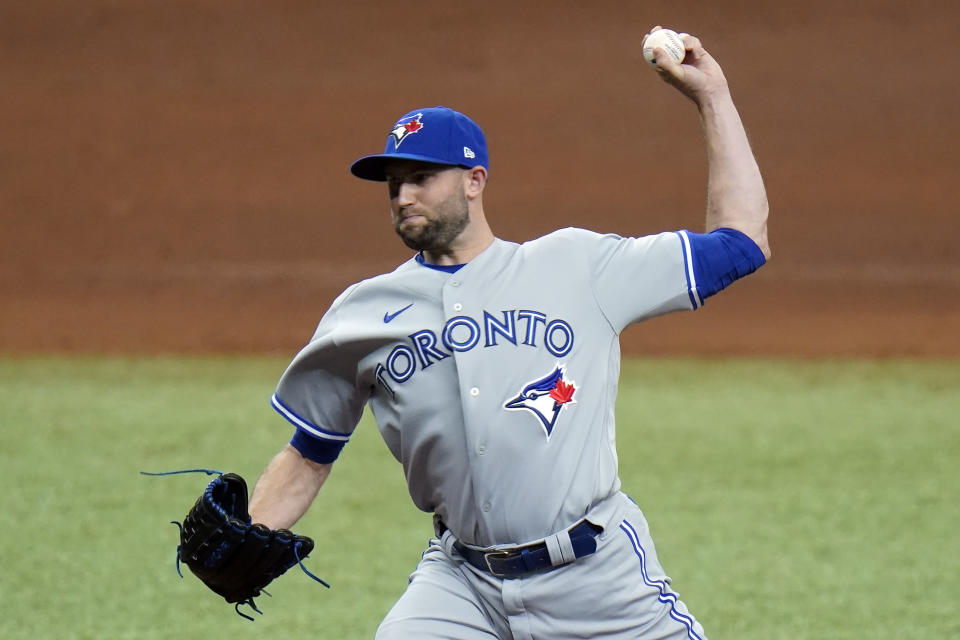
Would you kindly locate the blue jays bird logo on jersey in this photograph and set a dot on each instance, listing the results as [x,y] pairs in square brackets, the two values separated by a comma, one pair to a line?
[545,398]
[405,127]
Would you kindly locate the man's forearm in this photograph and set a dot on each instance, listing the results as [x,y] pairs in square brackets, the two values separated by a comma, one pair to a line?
[736,197]
[286,488]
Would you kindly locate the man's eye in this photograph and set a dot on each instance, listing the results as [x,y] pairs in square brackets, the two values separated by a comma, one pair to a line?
[418,178]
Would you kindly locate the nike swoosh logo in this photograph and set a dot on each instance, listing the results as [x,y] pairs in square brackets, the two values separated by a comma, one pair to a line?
[387,317]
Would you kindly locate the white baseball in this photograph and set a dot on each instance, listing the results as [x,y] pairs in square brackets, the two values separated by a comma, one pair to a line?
[667,40]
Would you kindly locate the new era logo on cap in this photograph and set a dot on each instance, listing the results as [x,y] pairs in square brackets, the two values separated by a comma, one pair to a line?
[437,134]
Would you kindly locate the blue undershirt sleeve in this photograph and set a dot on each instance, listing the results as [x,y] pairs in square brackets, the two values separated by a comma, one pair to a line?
[722,256]
[313,448]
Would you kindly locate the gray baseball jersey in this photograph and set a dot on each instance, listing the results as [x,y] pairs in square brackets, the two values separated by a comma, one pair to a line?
[493,385]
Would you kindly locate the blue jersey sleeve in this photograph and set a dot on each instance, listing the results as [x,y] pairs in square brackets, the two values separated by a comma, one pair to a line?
[313,442]
[720,257]
[312,448]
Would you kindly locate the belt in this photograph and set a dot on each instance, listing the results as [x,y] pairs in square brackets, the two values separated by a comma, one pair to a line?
[515,562]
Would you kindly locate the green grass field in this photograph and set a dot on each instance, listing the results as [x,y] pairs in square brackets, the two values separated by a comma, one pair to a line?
[789,499]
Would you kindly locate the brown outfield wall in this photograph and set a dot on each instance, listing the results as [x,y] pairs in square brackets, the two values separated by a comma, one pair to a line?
[173,175]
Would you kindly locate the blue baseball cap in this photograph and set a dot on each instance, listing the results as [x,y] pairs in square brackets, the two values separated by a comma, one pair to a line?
[436,134]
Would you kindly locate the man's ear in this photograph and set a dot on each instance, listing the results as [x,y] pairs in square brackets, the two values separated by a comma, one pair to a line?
[475,180]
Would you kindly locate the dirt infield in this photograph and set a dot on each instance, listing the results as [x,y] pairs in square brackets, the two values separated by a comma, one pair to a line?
[174,174]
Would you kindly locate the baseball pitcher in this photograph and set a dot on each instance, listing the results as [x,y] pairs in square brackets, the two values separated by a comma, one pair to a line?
[491,368]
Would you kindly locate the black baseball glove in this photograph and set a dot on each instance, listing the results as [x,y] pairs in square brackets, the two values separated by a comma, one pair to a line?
[233,557]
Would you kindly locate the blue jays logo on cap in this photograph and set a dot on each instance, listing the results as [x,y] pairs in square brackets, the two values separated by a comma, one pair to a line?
[438,135]
[545,397]
[405,127]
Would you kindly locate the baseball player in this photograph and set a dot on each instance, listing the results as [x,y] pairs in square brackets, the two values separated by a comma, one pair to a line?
[491,369]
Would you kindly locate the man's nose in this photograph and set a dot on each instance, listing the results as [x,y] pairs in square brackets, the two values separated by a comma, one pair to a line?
[406,194]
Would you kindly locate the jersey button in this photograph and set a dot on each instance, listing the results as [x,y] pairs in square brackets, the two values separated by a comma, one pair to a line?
[457,307]
[454,283]
[486,506]
[481,449]
[474,392]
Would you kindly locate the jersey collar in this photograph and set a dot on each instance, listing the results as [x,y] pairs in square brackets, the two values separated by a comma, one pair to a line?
[446,268]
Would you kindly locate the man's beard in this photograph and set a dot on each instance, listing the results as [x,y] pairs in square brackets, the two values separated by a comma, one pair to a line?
[452,217]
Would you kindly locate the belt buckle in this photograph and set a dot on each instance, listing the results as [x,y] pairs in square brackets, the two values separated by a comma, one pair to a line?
[495,554]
